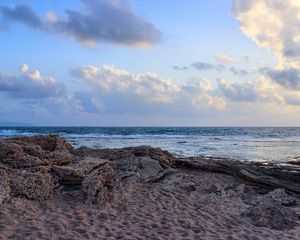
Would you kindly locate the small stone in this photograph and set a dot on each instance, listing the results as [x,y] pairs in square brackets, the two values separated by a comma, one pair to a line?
[282,197]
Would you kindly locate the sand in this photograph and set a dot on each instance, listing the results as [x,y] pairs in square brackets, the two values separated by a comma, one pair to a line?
[143,211]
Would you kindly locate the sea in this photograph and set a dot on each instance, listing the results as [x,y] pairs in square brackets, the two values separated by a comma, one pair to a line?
[279,144]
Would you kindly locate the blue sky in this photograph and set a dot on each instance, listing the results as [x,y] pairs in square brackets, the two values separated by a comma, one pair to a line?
[111,62]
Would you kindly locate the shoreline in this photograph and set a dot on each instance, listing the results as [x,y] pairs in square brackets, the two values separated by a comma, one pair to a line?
[251,144]
[50,190]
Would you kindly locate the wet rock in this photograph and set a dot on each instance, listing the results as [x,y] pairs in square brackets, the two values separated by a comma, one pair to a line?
[294,162]
[99,185]
[32,185]
[5,186]
[272,215]
[73,174]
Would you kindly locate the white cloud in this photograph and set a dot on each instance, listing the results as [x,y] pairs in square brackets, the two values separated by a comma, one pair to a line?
[261,91]
[146,90]
[24,68]
[147,85]
[279,30]
[224,58]
[30,84]
[274,25]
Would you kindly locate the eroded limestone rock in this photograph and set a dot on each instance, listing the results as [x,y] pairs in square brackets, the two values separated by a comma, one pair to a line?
[5,185]
[32,185]
[165,158]
[99,185]
[74,173]
[272,215]
[26,152]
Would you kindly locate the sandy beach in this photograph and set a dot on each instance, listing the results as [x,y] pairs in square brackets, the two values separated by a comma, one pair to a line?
[139,193]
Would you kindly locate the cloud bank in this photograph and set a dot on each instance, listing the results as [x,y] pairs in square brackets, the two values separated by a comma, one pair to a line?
[120,90]
[279,32]
[110,21]
[30,84]
[274,25]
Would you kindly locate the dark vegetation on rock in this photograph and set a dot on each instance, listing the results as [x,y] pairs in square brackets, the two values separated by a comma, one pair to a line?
[40,167]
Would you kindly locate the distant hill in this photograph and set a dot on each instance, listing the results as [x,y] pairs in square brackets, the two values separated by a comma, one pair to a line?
[15,124]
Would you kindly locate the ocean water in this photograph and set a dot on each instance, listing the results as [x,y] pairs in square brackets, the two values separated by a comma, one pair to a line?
[251,144]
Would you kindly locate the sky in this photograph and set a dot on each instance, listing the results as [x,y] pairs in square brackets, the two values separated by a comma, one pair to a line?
[150,63]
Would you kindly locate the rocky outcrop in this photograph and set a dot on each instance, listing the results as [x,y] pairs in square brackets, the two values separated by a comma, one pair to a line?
[74,173]
[99,185]
[263,176]
[165,158]
[27,152]
[39,167]
[29,160]
[32,185]
[143,163]
[15,156]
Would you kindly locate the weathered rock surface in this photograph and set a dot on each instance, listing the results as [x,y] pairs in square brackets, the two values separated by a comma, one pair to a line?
[26,152]
[5,185]
[263,176]
[278,196]
[282,197]
[272,215]
[165,158]
[99,185]
[32,185]
[141,163]
[74,173]
[139,168]
[178,182]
